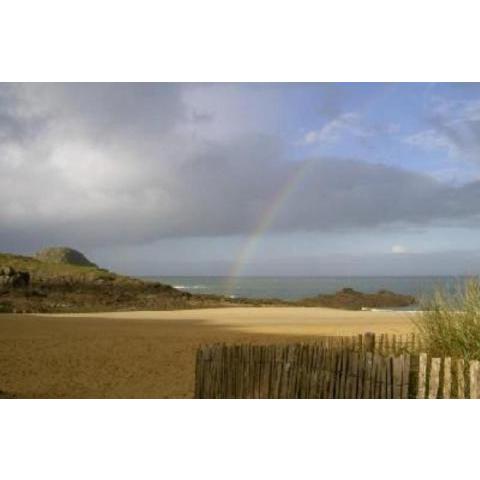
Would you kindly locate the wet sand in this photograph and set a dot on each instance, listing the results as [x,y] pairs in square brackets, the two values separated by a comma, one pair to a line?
[151,354]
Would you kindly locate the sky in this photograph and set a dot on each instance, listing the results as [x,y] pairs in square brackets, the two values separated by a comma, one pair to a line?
[245,179]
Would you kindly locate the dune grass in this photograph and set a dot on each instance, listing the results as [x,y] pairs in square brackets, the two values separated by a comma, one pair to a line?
[449,324]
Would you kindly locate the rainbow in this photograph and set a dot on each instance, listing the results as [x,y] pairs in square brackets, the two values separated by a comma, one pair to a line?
[265,221]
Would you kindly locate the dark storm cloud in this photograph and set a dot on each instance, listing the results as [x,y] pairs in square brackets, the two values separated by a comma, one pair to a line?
[111,164]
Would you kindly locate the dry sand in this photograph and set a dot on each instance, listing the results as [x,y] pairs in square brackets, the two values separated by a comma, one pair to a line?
[151,354]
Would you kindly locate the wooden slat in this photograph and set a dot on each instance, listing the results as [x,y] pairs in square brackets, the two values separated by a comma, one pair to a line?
[368,376]
[292,384]
[348,375]
[386,346]
[267,362]
[218,371]
[198,372]
[413,342]
[336,366]
[447,377]
[302,378]
[460,371]
[282,366]
[250,379]
[359,343]
[422,375]
[354,364]
[222,384]
[316,372]
[212,370]
[324,385]
[321,382]
[360,373]
[397,376]
[434,378]
[258,371]
[276,372]
[380,344]
[341,364]
[286,366]
[387,375]
[377,368]
[375,389]
[369,342]
[406,376]
[345,365]
[383,374]
[321,369]
[322,376]
[474,379]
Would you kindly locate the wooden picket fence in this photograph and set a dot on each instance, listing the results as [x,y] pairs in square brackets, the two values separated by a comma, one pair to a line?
[382,343]
[335,367]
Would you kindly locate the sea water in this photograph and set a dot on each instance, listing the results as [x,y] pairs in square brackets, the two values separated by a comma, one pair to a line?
[294,288]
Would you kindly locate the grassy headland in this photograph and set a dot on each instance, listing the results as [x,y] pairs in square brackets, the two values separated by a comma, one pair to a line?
[64,287]
[58,285]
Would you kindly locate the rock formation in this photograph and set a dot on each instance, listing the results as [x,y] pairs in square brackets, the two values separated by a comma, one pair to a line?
[9,277]
[64,255]
[350,299]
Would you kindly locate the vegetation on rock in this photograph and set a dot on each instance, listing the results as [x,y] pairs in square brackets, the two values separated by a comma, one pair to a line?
[350,299]
[65,287]
[64,255]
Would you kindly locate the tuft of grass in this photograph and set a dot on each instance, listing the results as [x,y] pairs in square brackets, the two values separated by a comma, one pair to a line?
[449,324]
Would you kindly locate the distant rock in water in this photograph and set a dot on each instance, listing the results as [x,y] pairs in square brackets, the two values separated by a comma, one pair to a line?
[350,299]
[64,255]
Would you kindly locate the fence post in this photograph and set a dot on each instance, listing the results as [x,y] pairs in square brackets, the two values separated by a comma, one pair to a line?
[434,378]
[422,375]
[474,380]
[460,378]
[447,377]
[406,376]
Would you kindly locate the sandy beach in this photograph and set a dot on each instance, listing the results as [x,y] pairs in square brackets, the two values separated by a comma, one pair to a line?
[151,354]
[276,320]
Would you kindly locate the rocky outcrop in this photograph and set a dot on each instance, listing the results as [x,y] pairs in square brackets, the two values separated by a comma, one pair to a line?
[350,299]
[9,277]
[64,255]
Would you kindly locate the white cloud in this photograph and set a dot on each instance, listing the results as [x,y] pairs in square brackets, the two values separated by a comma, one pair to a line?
[349,124]
[399,249]
[430,140]
[344,124]
[454,129]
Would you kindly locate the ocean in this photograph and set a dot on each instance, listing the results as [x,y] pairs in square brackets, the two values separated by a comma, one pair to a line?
[294,288]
